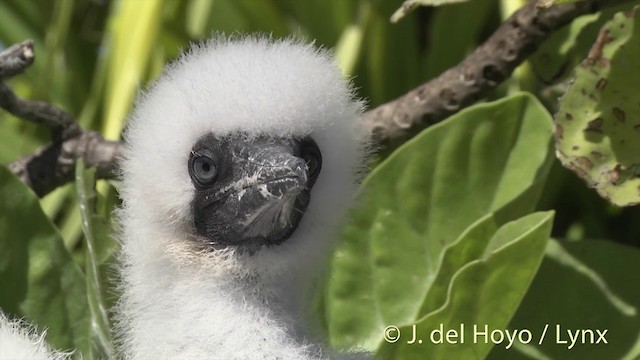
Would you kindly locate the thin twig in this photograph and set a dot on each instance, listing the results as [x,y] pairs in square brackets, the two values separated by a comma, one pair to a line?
[16,58]
[52,165]
[62,125]
[479,73]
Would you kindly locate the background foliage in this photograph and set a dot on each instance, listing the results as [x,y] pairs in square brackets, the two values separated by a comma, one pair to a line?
[454,224]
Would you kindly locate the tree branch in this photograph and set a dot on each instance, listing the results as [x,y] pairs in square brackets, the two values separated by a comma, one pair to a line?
[62,125]
[484,69]
[52,165]
[480,72]
[16,58]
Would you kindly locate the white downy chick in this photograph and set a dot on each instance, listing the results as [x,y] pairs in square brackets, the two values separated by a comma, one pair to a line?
[20,341]
[240,163]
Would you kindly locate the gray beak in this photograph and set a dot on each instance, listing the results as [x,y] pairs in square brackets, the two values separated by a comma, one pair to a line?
[259,196]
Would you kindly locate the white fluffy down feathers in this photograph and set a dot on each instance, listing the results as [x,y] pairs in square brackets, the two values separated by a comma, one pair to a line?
[181,301]
[253,84]
[184,302]
[20,341]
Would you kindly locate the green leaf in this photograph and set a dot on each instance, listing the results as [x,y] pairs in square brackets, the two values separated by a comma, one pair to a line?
[385,75]
[489,158]
[410,5]
[597,126]
[196,19]
[18,26]
[348,48]
[134,29]
[483,295]
[39,279]
[564,48]
[263,16]
[99,247]
[469,247]
[448,45]
[581,285]
[554,61]
[322,20]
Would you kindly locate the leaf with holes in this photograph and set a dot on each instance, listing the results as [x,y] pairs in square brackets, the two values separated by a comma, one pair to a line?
[598,124]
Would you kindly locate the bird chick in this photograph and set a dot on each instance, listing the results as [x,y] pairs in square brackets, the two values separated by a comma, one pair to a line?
[19,341]
[240,162]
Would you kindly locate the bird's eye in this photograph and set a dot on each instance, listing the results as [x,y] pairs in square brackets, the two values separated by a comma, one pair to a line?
[310,153]
[203,170]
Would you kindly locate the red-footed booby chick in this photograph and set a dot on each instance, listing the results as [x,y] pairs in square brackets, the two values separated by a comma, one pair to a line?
[239,165]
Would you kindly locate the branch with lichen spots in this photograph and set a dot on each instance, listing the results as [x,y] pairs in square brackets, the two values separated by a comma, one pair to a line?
[479,73]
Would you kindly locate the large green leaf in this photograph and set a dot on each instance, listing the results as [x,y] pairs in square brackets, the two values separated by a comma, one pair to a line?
[489,158]
[584,285]
[482,296]
[38,278]
[597,128]
[134,29]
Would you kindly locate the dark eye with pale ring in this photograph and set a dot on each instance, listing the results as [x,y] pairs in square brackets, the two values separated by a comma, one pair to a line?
[203,170]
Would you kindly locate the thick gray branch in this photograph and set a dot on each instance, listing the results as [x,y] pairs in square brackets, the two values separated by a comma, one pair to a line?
[480,72]
[53,165]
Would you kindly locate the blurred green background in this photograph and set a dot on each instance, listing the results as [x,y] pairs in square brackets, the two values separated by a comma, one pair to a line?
[93,57]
